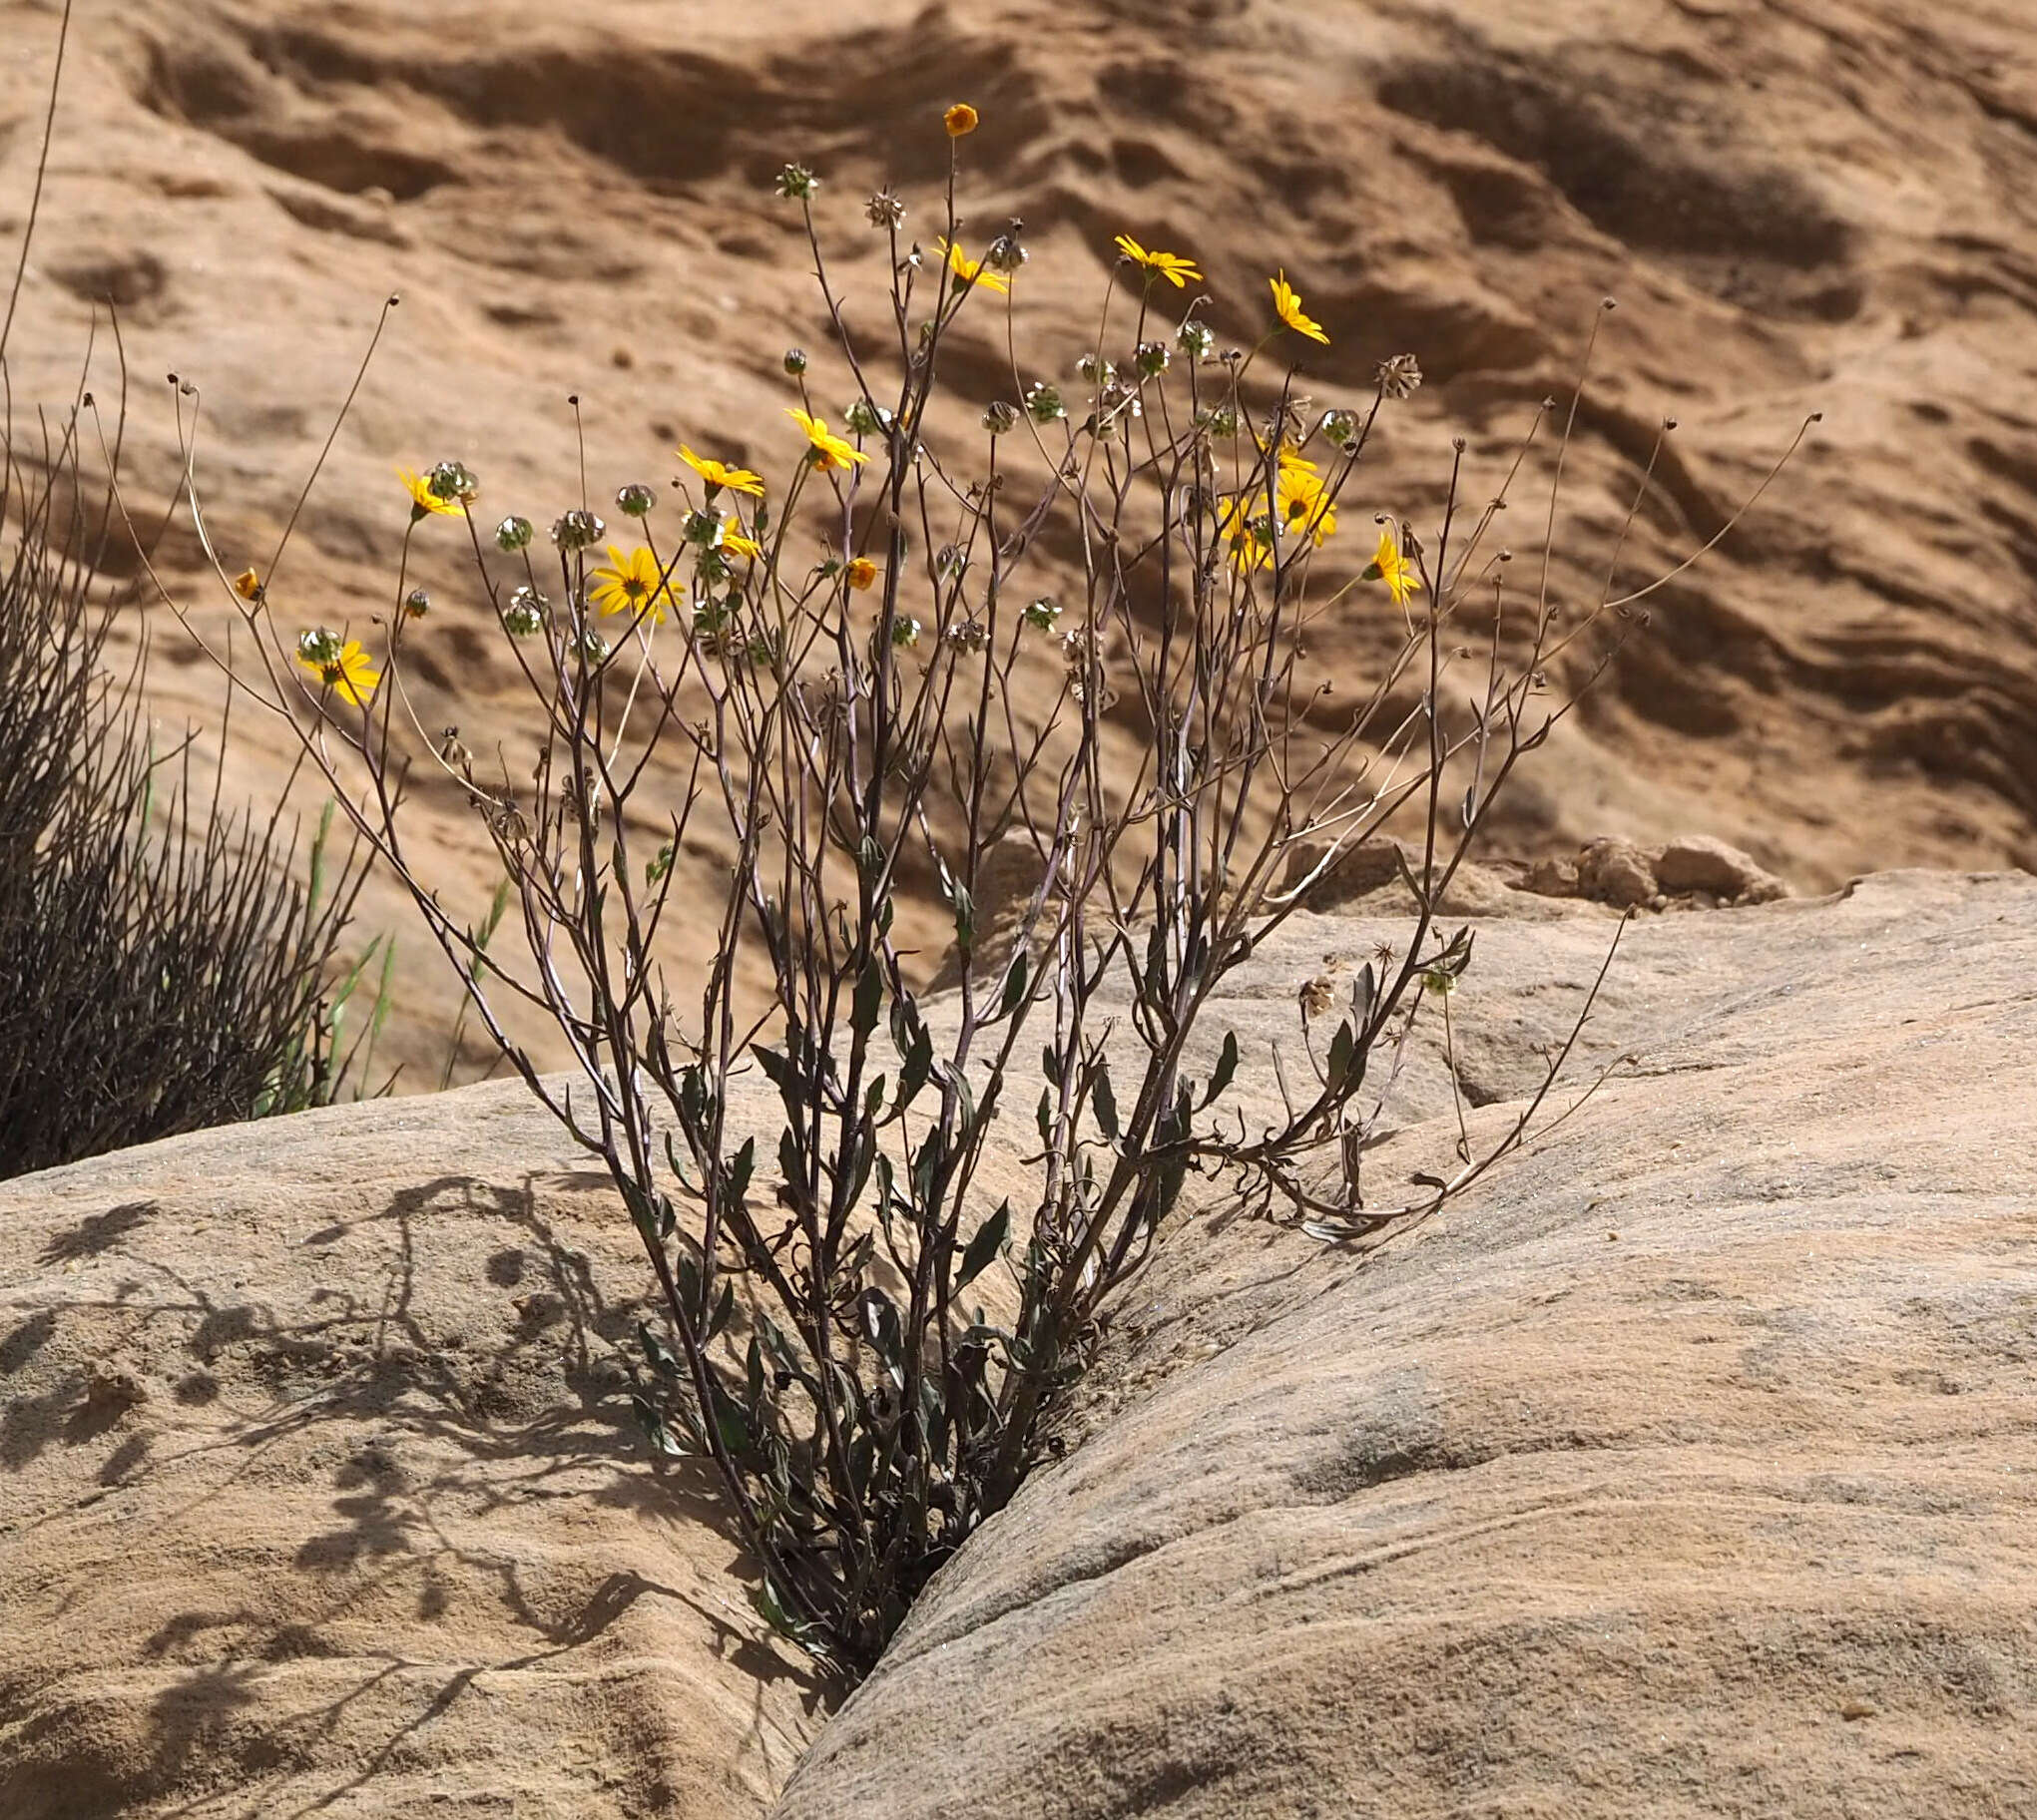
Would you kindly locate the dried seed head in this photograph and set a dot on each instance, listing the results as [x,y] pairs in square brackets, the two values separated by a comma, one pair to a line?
[885,210]
[1195,338]
[513,534]
[1400,376]
[796,183]
[319,648]
[635,500]
[1041,614]
[1152,358]
[1001,418]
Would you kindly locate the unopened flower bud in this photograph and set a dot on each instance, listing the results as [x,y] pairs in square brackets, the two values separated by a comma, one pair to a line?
[513,534]
[1043,401]
[864,418]
[578,529]
[1041,614]
[450,480]
[795,362]
[1338,427]
[525,613]
[796,183]
[416,603]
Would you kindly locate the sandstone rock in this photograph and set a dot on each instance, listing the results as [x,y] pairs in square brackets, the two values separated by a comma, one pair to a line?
[1732,1354]
[1682,1468]
[1616,872]
[1698,862]
[1553,877]
[335,1564]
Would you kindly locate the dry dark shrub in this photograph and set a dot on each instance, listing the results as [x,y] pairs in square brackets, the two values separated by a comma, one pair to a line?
[160,970]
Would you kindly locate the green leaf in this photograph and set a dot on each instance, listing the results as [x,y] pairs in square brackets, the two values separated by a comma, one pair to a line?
[1342,1046]
[1104,1103]
[661,1358]
[743,1169]
[655,1431]
[723,1308]
[965,918]
[918,1067]
[989,1240]
[1015,984]
[1227,1068]
[869,997]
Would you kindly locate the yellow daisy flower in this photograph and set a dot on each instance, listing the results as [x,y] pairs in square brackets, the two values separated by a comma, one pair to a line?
[740,544]
[960,119]
[631,584]
[971,271]
[348,675]
[1171,267]
[1392,568]
[1287,306]
[722,474]
[1304,502]
[861,572]
[831,451]
[424,499]
[1244,524]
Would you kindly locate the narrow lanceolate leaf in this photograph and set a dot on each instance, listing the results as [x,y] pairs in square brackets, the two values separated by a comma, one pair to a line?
[742,1167]
[1015,985]
[1104,1103]
[658,1356]
[869,997]
[989,1240]
[1227,1068]
[965,918]
[1342,1046]
[655,1431]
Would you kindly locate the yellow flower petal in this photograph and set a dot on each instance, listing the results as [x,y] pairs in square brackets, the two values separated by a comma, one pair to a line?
[1173,267]
[723,474]
[424,499]
[970,272]
[1287,306]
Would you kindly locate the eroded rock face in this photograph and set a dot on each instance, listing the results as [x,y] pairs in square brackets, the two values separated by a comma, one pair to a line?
[573,204]
[1684,1467]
